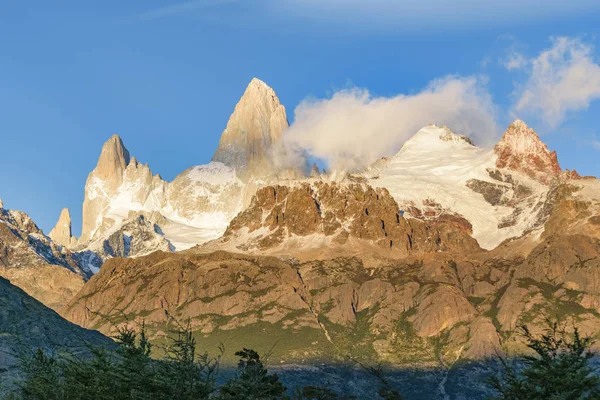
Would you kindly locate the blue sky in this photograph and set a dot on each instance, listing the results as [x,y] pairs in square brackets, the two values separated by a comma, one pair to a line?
[165,75]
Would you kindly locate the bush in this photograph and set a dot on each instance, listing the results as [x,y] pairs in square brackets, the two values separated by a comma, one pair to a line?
[559,369]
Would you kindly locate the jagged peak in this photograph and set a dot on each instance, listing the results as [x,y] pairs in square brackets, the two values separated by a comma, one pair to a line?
[1,204]
[522,139]
[61,233]
[114,155]
[257,121]
[522,150]
[65,215]
[256,83]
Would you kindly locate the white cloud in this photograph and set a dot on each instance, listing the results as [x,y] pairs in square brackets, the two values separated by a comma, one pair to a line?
[562,79]
[354,128]
[514,60]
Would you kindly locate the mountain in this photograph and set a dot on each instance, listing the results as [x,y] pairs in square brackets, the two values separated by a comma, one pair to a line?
[32,261]
[501,192]
[521,150]
[256,124]
[309,218]
[61,233]
[102,184]
[195,207]
[428,260]
[26,325]
[444,307]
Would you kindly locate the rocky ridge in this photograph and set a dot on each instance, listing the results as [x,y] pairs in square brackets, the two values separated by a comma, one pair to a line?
[521,150]
[308,217]
[32,261]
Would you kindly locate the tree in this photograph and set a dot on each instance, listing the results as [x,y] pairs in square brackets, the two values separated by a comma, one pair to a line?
[253,381]
[559,369]
[190,376]
[41,377]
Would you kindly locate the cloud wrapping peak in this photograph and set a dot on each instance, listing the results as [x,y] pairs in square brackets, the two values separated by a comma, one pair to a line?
[353,128]
[562,79]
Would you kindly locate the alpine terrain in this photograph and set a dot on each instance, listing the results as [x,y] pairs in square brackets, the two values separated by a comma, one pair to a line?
[426,261]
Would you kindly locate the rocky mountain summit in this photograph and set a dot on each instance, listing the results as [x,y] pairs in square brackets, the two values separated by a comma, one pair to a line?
[500,192]
[521,150]
[61,233]
[199,203]
[256,124]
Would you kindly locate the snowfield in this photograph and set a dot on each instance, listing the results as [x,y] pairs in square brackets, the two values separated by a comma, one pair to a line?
[436,164]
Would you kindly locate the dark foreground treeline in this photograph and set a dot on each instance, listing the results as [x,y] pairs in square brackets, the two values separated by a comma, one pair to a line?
[559,368]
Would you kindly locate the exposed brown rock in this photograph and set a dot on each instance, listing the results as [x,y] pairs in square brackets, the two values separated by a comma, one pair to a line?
[340,212]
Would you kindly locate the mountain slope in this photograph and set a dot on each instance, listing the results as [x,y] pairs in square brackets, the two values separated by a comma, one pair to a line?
[46,271]
[199,203]
[308,218]
[27,325]
[496,191]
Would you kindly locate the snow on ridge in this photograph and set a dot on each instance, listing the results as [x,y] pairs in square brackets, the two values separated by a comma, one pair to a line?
[214,173]
[430,167]
[436,138]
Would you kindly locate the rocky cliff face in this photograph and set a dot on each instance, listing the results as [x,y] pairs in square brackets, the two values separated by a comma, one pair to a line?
[255,125]
[313,216]
[61,233]
[102,183]
[30,260]
[521,150]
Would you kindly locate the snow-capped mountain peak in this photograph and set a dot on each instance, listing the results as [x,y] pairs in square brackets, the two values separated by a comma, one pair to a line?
[522,150]
[433,138]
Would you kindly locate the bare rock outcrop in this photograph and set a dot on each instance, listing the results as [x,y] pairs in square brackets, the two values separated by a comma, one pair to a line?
[31,261]
[102,183]
[255,125]
[338,213]
[521,150]
[61,233]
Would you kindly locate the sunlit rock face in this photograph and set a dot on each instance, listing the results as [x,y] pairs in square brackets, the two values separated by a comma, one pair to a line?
[257,122]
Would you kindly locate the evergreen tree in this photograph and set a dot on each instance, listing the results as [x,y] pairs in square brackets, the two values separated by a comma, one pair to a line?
[559,369]
[189,376]
[253,381]
[41,378]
